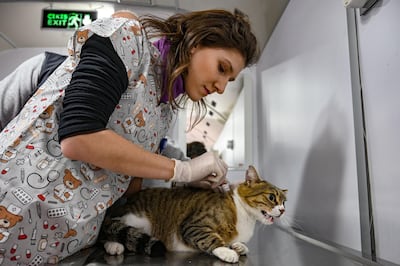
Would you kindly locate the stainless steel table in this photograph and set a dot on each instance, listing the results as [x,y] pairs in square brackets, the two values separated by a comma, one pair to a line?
[270,246]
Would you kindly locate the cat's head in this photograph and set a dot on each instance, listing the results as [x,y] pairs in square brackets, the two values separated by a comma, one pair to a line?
[263,200]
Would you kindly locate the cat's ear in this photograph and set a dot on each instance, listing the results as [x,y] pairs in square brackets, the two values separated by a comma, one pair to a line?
[251,176]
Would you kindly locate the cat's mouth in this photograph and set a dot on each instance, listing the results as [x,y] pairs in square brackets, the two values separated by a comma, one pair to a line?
[270,219]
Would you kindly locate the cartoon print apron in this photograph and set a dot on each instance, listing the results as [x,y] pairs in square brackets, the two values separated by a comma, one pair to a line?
[51,207]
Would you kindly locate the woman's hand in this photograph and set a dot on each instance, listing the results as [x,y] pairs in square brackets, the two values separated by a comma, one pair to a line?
[206,169]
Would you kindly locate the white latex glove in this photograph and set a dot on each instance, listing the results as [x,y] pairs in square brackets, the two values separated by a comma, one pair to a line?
[206,170]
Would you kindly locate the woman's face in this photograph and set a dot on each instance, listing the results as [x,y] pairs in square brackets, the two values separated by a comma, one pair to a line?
[210,69]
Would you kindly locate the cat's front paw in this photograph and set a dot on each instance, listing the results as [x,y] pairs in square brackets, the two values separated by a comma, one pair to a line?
[226,254]
[114,248]
[240,248]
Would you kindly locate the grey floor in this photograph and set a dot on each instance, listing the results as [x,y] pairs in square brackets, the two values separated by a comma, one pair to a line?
[271,246]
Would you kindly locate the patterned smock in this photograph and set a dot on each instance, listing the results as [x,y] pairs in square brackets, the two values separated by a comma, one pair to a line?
[50,206]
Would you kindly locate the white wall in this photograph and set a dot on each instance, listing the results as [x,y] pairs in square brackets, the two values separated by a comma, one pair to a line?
[305,120]
[379,44]
[233,131]
[239,127]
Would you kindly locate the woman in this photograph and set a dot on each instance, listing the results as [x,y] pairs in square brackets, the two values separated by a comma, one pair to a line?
[98,119]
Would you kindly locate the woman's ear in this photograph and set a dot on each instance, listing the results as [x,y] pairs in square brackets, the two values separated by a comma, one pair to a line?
[193,50]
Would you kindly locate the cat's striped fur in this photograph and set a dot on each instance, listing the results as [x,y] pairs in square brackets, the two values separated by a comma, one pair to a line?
[191,219]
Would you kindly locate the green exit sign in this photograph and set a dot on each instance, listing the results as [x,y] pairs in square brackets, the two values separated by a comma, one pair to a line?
[67,19]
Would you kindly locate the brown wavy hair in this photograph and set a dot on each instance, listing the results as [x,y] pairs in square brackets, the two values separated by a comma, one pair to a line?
[214,28]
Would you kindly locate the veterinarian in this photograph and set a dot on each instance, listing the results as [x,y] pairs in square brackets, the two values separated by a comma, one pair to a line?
[97,119]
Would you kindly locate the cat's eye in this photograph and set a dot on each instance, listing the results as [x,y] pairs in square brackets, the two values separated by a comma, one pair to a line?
[271,197]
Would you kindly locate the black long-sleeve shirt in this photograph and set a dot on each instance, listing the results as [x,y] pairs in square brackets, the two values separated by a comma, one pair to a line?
[95,89]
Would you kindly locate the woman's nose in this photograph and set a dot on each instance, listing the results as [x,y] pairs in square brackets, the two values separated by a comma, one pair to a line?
[220,85]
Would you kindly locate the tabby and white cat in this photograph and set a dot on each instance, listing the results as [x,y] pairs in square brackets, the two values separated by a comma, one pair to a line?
[191,219]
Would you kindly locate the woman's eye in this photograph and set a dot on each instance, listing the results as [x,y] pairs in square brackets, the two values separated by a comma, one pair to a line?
[221,69]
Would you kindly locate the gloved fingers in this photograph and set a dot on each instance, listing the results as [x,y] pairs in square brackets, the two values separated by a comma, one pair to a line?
[206,167]
[214,179]
[223,182]
[200,184]
[217,182]
[219,175]
[205,157]
[222,167]
[224,187]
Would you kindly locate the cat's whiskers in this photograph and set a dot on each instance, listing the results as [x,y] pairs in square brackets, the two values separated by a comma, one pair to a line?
[291,223]
[284,222]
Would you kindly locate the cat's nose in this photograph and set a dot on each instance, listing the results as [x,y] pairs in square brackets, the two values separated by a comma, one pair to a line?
[281,211]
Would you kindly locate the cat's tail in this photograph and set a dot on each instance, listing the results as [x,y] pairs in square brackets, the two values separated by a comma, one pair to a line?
[133,239]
